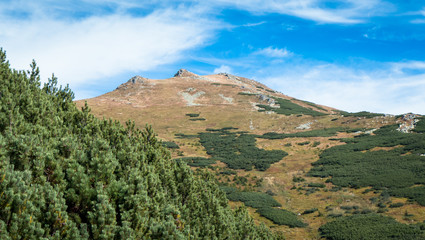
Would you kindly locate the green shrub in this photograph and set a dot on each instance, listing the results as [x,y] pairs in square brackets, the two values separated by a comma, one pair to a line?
[420,126]
[369,227]
[303,143]
[196,161]
[362,114]
[170,144]
[317,185]
[396,205]
[287,107]
[197,119]
[298,179]
[308,211]
[253,199]
[354,165]
[281,217]
[192,115]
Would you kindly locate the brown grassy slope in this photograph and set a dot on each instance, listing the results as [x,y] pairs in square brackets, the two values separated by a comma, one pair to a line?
[165,103]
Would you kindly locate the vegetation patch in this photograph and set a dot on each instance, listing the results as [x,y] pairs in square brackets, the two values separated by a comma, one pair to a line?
[370,227]
[420,126]
[363,114]
[197,161]
[397,170]
[197,119]
[247,93]
[238,151]
[281,217]
[286,107]
[192,115]
[171,145]
[313,105]
[326,132]
[251,199]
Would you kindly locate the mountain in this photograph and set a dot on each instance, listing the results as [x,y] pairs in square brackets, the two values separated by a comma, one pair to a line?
[304,169]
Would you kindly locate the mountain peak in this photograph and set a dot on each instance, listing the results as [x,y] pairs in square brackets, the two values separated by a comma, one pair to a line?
[137,79]
[184,73]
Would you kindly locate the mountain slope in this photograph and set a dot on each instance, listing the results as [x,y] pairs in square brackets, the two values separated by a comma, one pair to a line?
[261,145]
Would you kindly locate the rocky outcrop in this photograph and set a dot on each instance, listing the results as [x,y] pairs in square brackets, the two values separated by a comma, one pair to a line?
[134,81]
[189,97]
[184,73]
[137,79]
[407,122]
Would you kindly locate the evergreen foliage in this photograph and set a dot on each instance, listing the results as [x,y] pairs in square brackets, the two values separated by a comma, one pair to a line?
[197,161]
[66,175]
[420,126]
[363,114]
[238,151]
[192,115]
[326,132]
[287,107]
[253,199]
[281,217]
[170,144]
[369,227]
[397,170]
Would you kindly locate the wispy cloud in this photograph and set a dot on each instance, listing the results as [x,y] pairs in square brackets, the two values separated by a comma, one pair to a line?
[80,51]
[274,52]
[322,11]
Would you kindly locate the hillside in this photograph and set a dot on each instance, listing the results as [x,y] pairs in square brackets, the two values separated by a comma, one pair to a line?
[66,175]
[303,169]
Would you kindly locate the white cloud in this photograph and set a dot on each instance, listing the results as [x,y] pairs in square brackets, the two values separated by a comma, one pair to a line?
[81,51]
[223,69]
[345,12]
[383,90]
[274,52]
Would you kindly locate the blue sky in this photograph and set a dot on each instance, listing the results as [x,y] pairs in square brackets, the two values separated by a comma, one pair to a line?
[353,55]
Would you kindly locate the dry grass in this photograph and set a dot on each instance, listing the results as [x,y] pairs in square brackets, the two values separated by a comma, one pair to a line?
[158,103]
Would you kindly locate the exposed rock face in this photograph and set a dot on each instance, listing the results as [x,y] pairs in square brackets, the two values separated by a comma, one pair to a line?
[134,80]
[270,101]
[190,98]
[304,126]
[227,99]
[184,73]
[408,122]
[137,79]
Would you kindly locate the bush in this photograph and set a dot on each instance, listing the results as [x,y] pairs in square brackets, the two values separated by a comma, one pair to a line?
[396,205]
[369,227]
[170,145]
[197,119]
[316,185]
[298,179]
[196,161]
[308,211]
[354,165]
[287,107]
[192,115]
[253,199]
[281,217]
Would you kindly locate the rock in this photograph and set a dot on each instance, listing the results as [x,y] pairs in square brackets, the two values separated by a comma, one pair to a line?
[304,126]
[184,73]
[137,79]
[408,122]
